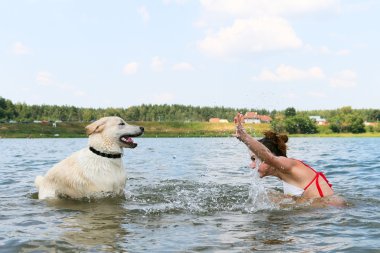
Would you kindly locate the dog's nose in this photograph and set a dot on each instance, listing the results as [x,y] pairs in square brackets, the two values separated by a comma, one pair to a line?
[142,129]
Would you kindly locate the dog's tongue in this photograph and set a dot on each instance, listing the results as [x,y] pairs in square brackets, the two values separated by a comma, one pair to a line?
[127,139]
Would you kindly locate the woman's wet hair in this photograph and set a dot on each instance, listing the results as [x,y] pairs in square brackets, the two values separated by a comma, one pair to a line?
[275,142]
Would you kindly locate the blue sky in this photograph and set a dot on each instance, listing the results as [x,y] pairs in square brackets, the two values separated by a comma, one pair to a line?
[315,54]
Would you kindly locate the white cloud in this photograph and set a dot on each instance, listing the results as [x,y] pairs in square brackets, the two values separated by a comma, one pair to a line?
[131,68]
[183,66]
[71,90]
[20,49]
[44,78]
[249,8]
[290,73]
[251,36]
[175,1]
[344,79]
[142,10]
[343,52]
[258,26]
[327,51]
[157,63]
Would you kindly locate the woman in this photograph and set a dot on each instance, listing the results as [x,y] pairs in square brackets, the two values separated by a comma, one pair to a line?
[269,156]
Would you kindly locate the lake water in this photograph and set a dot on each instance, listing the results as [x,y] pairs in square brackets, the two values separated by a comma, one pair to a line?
[192,195]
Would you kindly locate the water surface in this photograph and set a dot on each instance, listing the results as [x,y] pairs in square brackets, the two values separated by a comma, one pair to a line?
[191,195]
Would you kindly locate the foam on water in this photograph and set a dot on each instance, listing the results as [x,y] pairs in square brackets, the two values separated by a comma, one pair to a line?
[181,196]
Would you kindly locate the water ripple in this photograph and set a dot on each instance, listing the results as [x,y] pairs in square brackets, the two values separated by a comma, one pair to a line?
[190,195]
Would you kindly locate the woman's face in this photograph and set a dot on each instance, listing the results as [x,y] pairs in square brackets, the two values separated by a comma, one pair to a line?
[263,168]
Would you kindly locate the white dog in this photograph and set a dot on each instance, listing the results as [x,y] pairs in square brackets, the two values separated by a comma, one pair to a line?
[96,170]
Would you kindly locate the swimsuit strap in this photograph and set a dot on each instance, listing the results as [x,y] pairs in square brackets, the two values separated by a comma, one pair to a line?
[307,186]
[317,174]
[324,177]
[317,183]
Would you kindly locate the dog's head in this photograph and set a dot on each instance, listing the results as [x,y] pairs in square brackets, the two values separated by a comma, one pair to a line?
[114,130]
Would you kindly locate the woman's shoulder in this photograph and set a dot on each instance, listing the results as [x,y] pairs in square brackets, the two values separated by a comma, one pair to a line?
[299,163]
[298,168]
[286,164]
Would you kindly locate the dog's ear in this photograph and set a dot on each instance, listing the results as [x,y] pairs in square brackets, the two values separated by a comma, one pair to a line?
[95,127]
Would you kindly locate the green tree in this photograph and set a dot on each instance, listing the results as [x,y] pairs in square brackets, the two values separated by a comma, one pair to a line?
[300,125]
[7,109]
[290,112]
[278,126]
[347,121]
[356,125]
[374,115]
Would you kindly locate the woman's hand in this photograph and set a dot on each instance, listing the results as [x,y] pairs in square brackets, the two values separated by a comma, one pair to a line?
[239,120]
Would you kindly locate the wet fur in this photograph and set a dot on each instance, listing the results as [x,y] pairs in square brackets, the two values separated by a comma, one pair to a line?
[85,174]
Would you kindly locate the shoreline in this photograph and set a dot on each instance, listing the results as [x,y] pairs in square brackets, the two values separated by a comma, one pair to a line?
[157,130]
[344,135]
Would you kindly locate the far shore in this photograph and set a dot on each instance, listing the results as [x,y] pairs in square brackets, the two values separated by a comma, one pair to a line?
[154,130]
[375,135]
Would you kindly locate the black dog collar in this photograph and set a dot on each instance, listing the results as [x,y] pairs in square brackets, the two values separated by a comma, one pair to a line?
[104,154]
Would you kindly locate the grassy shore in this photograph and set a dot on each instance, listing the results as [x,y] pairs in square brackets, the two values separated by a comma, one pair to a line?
[152,129]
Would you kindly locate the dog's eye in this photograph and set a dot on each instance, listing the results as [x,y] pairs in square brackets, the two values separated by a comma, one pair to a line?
[121,124]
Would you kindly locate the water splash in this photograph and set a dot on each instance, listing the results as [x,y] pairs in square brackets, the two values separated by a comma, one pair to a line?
[258,196]
[186,196]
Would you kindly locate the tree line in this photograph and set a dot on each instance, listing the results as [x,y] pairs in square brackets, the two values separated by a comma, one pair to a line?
[340,120]
[22,112]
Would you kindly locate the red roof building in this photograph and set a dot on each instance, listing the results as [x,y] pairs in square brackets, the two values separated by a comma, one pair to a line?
[214,120]
[254,117]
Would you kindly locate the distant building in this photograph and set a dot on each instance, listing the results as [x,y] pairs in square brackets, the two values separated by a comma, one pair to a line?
[214,120]
[366,123]
[252,117]
[319,120]
[217,120]
[265,118]
[255,118]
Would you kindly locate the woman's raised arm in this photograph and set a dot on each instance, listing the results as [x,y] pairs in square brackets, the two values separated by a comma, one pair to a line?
[262,152]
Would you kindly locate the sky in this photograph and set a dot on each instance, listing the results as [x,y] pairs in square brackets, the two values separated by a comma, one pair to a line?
[264,54]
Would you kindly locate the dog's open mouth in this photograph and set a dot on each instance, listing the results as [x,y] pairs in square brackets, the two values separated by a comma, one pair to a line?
[127,139]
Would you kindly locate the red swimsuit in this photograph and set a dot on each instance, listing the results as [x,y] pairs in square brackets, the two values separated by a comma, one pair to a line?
[317,174]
